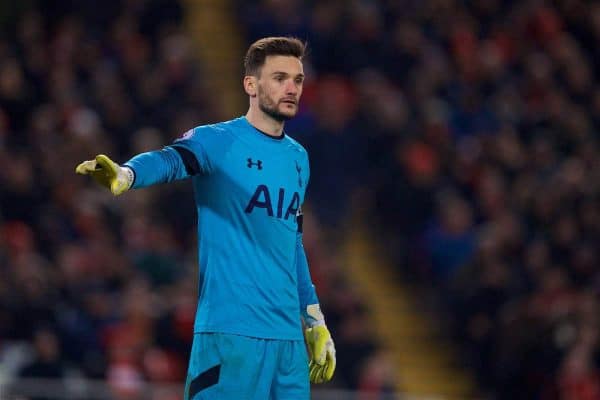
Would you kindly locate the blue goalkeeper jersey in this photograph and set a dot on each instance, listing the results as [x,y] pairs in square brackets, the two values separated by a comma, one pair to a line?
[249,188]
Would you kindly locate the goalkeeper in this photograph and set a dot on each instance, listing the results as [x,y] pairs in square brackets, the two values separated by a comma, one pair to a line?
[255,288]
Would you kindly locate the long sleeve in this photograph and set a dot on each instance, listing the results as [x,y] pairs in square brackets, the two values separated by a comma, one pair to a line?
[184,158]
[306,290]
[166,165]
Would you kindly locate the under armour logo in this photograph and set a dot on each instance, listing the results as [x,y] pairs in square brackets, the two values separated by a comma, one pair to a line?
[258,163]
[299,170]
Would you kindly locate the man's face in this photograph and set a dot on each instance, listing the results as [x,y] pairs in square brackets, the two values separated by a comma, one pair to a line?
[279,87]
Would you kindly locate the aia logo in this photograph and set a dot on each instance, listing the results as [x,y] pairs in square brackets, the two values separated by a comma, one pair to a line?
[258,164]
[283,208]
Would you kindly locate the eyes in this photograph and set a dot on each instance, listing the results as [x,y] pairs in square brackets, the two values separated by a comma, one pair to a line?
[298,80]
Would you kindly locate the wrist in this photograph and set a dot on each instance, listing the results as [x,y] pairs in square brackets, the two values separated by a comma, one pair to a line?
[127,176]
[313,316]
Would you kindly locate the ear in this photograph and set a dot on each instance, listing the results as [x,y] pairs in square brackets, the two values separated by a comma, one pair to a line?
[250,85]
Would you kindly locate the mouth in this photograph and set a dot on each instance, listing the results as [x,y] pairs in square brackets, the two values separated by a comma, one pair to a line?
[289,101]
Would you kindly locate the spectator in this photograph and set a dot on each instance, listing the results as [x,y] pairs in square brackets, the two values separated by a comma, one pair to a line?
[47,362]
[75,79]
[498,122]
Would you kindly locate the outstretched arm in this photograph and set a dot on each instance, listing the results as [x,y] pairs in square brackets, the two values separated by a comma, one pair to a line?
[169,164]
[145,169]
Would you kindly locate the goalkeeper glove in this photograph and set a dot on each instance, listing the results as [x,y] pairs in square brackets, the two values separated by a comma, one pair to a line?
[320,347]
[107,173]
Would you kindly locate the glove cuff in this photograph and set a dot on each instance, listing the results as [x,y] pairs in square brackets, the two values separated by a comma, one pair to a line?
[122,181]
[128,175]
[313,316]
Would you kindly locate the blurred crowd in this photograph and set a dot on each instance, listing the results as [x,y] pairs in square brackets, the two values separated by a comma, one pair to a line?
[469,131]
[94,286]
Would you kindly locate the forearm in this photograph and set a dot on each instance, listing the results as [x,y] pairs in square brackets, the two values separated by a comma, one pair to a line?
[321,349]
[306,290]
[155,167]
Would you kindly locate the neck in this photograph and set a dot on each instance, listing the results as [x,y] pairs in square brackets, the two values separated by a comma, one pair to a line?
[264,122]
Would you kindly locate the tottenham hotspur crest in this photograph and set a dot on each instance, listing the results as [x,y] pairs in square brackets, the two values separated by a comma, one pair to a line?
[299,170]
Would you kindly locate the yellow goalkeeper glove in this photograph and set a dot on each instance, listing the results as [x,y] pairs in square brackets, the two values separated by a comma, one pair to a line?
[107,173]
[321,352]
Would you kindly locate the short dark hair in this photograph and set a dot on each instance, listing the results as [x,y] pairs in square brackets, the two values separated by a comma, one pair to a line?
[271,46]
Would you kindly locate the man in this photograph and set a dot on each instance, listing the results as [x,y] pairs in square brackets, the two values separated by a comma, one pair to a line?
[249,182]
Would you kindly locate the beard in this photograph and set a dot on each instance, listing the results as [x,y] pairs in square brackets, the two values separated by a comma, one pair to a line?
[271,108]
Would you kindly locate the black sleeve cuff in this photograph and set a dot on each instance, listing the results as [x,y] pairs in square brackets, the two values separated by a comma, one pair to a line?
[192,167]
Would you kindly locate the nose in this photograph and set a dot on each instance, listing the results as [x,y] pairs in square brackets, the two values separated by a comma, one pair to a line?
[291,88]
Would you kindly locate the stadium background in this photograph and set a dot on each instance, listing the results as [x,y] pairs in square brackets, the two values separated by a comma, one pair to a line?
[453,218]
